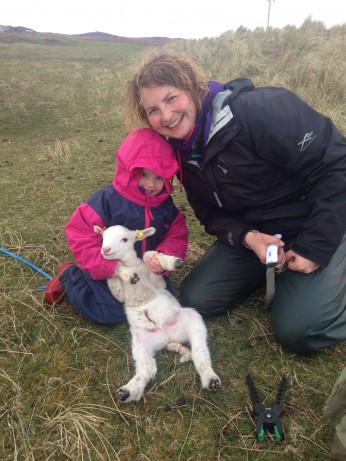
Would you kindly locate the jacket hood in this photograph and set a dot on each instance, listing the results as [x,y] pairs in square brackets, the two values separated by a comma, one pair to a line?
[239,85]
[144,148]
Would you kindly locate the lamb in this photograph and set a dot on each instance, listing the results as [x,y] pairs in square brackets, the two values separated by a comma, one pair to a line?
[156,318]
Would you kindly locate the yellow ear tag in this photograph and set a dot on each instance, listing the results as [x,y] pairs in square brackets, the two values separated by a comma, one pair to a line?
[139,234]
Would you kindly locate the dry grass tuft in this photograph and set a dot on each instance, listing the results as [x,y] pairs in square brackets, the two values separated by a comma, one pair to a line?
[60,152]
[76,431]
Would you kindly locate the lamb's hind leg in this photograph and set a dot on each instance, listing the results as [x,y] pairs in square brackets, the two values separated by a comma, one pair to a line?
[197,333]
[146,369]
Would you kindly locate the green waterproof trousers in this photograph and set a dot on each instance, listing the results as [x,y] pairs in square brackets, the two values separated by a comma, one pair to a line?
[308,311]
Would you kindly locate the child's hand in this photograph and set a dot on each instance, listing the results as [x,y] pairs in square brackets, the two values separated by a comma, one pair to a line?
[153,264]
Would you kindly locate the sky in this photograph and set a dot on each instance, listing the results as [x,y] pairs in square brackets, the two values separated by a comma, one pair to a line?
[194,19]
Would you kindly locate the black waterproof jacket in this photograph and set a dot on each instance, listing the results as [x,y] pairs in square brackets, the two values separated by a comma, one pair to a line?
[271,163]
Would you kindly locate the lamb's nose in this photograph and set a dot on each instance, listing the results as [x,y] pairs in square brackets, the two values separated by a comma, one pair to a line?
[106,250]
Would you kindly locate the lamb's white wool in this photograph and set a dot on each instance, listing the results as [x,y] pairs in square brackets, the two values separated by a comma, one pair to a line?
[156,318]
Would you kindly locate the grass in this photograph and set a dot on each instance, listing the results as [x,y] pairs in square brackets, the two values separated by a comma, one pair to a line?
[60,126]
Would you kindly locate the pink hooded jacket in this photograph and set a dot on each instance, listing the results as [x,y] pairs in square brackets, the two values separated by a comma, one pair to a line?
[124,203]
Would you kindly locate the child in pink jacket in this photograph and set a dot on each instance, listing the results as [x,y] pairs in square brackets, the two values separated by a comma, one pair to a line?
[139,197]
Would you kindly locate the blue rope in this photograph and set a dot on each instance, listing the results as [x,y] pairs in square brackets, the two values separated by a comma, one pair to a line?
[18,258]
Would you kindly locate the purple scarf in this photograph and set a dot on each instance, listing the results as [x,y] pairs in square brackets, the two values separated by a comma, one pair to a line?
[204,116]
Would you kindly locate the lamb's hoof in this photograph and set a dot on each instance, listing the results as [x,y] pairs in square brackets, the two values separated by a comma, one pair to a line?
[122,394]
[214,384]
[178,263]
[134,279]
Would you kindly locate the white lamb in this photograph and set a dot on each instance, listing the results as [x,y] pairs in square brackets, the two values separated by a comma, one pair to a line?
[156,318]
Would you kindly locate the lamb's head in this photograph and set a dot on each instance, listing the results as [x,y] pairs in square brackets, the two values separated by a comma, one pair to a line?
[118,241]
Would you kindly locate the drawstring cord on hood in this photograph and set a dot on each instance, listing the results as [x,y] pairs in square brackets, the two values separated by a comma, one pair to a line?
[180,171]
[148,217]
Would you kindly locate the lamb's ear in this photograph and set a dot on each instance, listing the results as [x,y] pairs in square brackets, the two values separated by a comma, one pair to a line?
[99,230]
[143,234]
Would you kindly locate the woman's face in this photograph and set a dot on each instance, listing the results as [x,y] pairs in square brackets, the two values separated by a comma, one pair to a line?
[170,111]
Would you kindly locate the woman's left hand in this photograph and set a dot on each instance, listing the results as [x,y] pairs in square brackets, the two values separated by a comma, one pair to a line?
[297,263]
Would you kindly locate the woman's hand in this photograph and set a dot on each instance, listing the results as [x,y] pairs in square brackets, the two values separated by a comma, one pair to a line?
[259,242]
[297,263]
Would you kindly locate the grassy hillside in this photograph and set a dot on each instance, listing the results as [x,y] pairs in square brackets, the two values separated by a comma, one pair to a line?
[61,121]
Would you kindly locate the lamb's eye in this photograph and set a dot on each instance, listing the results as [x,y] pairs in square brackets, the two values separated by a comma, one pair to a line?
[124,239]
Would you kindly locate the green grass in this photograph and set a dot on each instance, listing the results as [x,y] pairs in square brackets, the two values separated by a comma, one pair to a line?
[60,125]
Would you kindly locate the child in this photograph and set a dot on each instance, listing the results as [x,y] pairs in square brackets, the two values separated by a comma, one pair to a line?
[139,197]
[255,162]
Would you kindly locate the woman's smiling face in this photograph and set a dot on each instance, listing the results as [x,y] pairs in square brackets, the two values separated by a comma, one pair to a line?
[170,111]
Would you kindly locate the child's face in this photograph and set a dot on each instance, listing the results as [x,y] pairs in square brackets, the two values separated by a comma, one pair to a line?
[170,111]
[151,183]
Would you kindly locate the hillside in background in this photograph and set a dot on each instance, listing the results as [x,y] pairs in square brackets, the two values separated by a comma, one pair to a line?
[15,29]
[309,60]
[23,34]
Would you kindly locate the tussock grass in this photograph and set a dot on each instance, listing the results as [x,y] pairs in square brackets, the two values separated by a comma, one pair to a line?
[61,123]
[59,153]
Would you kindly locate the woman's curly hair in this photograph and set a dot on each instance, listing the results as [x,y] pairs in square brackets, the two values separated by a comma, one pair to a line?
[160,70]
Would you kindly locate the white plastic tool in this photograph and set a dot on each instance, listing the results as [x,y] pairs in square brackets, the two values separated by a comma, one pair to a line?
[272,254]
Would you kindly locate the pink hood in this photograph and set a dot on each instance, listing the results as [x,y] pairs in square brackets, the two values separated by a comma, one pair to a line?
[141,148]
[144,148]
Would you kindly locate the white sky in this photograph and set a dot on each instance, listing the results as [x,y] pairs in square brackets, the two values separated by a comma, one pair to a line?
[177,18]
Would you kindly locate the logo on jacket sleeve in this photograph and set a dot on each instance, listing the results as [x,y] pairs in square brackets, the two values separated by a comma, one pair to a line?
[307,140]
[229,238]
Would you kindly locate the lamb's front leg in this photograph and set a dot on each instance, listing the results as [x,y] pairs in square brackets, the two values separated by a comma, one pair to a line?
[168,262]
[117,289]
[128,274]
[143,353]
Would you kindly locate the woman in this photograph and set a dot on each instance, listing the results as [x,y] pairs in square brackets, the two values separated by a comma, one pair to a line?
[256,162]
